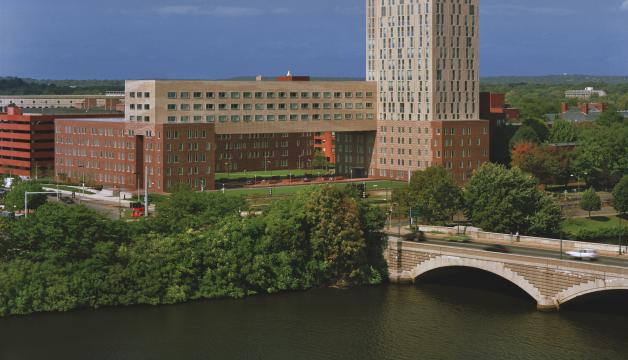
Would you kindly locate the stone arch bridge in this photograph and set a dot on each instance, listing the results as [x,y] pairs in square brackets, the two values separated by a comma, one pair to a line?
[550,282]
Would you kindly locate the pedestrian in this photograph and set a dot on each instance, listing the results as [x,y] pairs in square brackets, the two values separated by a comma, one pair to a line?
[518,237]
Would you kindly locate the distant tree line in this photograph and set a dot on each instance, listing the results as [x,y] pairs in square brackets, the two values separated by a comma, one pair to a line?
[18,86]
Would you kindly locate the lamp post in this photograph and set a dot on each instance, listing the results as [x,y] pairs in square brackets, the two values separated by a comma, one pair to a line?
[81,166]
[621,231]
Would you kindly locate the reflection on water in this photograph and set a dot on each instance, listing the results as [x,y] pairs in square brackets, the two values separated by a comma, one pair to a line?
[451,315]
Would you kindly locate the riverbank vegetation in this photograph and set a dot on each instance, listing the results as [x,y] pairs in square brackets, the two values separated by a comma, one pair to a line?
[199,246]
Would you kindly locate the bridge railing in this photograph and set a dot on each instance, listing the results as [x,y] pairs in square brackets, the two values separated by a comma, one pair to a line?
[523,240]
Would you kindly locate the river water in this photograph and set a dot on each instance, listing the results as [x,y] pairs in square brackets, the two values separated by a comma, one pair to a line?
[433,320]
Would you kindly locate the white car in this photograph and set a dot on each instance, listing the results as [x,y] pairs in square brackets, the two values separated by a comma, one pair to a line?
[583,254]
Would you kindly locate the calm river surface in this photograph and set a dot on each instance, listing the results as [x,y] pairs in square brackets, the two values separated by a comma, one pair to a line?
[433,320]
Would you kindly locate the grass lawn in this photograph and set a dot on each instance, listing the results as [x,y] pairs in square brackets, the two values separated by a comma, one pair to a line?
[287,190]
[152,198]
[593,224]
[267,174]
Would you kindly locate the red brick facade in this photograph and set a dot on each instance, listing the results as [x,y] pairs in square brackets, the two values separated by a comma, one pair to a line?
[257,152]
[118,154]
[27,142]
[326,143]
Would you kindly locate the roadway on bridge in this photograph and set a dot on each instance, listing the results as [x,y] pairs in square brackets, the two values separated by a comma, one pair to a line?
[611,261]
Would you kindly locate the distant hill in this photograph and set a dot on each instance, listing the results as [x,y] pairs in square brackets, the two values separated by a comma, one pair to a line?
[19,86]
[314,78]
[554,80]
[26,86]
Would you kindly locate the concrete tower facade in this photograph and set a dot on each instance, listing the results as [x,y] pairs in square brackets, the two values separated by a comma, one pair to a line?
[424,56]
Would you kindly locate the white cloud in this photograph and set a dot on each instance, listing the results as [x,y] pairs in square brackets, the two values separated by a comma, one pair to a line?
[624,6]
[218,11]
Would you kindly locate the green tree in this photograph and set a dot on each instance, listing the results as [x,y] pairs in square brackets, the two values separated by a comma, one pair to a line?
[502,200]
[620,196]
[590,201]
[62,233]
[14,200]
[539,126]
[434,194]
[319,161]
[339,248]
[186,209]
[524,134]
[610,117]
[548,164]
[562,132]
[602,153]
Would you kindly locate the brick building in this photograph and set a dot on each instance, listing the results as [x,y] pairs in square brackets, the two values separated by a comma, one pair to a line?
[112,101]
[117,154]
[493,107]
[326,143]
[424,58]
[27,142]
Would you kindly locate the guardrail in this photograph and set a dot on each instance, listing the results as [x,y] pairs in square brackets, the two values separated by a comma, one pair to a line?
[523,240]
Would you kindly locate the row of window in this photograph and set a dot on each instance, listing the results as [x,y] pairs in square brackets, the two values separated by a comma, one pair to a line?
[260,118]
[139,94]
[281,106]
[267,95]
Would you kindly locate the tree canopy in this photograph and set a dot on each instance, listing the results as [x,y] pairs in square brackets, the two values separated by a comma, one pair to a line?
[524,134]
[14,200]
[562,131]
[590,201]
[507,201]
[66,257]
[601,156]
[620,196]
[433,194]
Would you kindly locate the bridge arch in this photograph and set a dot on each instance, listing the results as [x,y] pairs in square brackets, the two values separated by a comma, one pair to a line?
[591,287]
[495,268]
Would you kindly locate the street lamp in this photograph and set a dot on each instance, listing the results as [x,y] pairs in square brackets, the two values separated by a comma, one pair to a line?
[621,231]
[81,166]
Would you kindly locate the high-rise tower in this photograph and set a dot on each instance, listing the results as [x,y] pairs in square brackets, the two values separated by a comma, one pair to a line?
[424,56]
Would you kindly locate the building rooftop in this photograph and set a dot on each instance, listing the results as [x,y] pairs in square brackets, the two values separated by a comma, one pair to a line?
[111,119]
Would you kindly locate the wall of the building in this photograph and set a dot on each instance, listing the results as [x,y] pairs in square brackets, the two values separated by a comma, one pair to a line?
[424,56]
[255,107]
[95,152]
[26,145]
[257,152]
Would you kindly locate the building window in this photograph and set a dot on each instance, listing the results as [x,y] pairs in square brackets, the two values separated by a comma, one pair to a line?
[172,95]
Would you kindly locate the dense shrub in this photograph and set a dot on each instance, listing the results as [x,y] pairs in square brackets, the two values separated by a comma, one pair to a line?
[198,247]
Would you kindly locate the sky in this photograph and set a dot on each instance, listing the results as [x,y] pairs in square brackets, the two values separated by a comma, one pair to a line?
[218,39]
